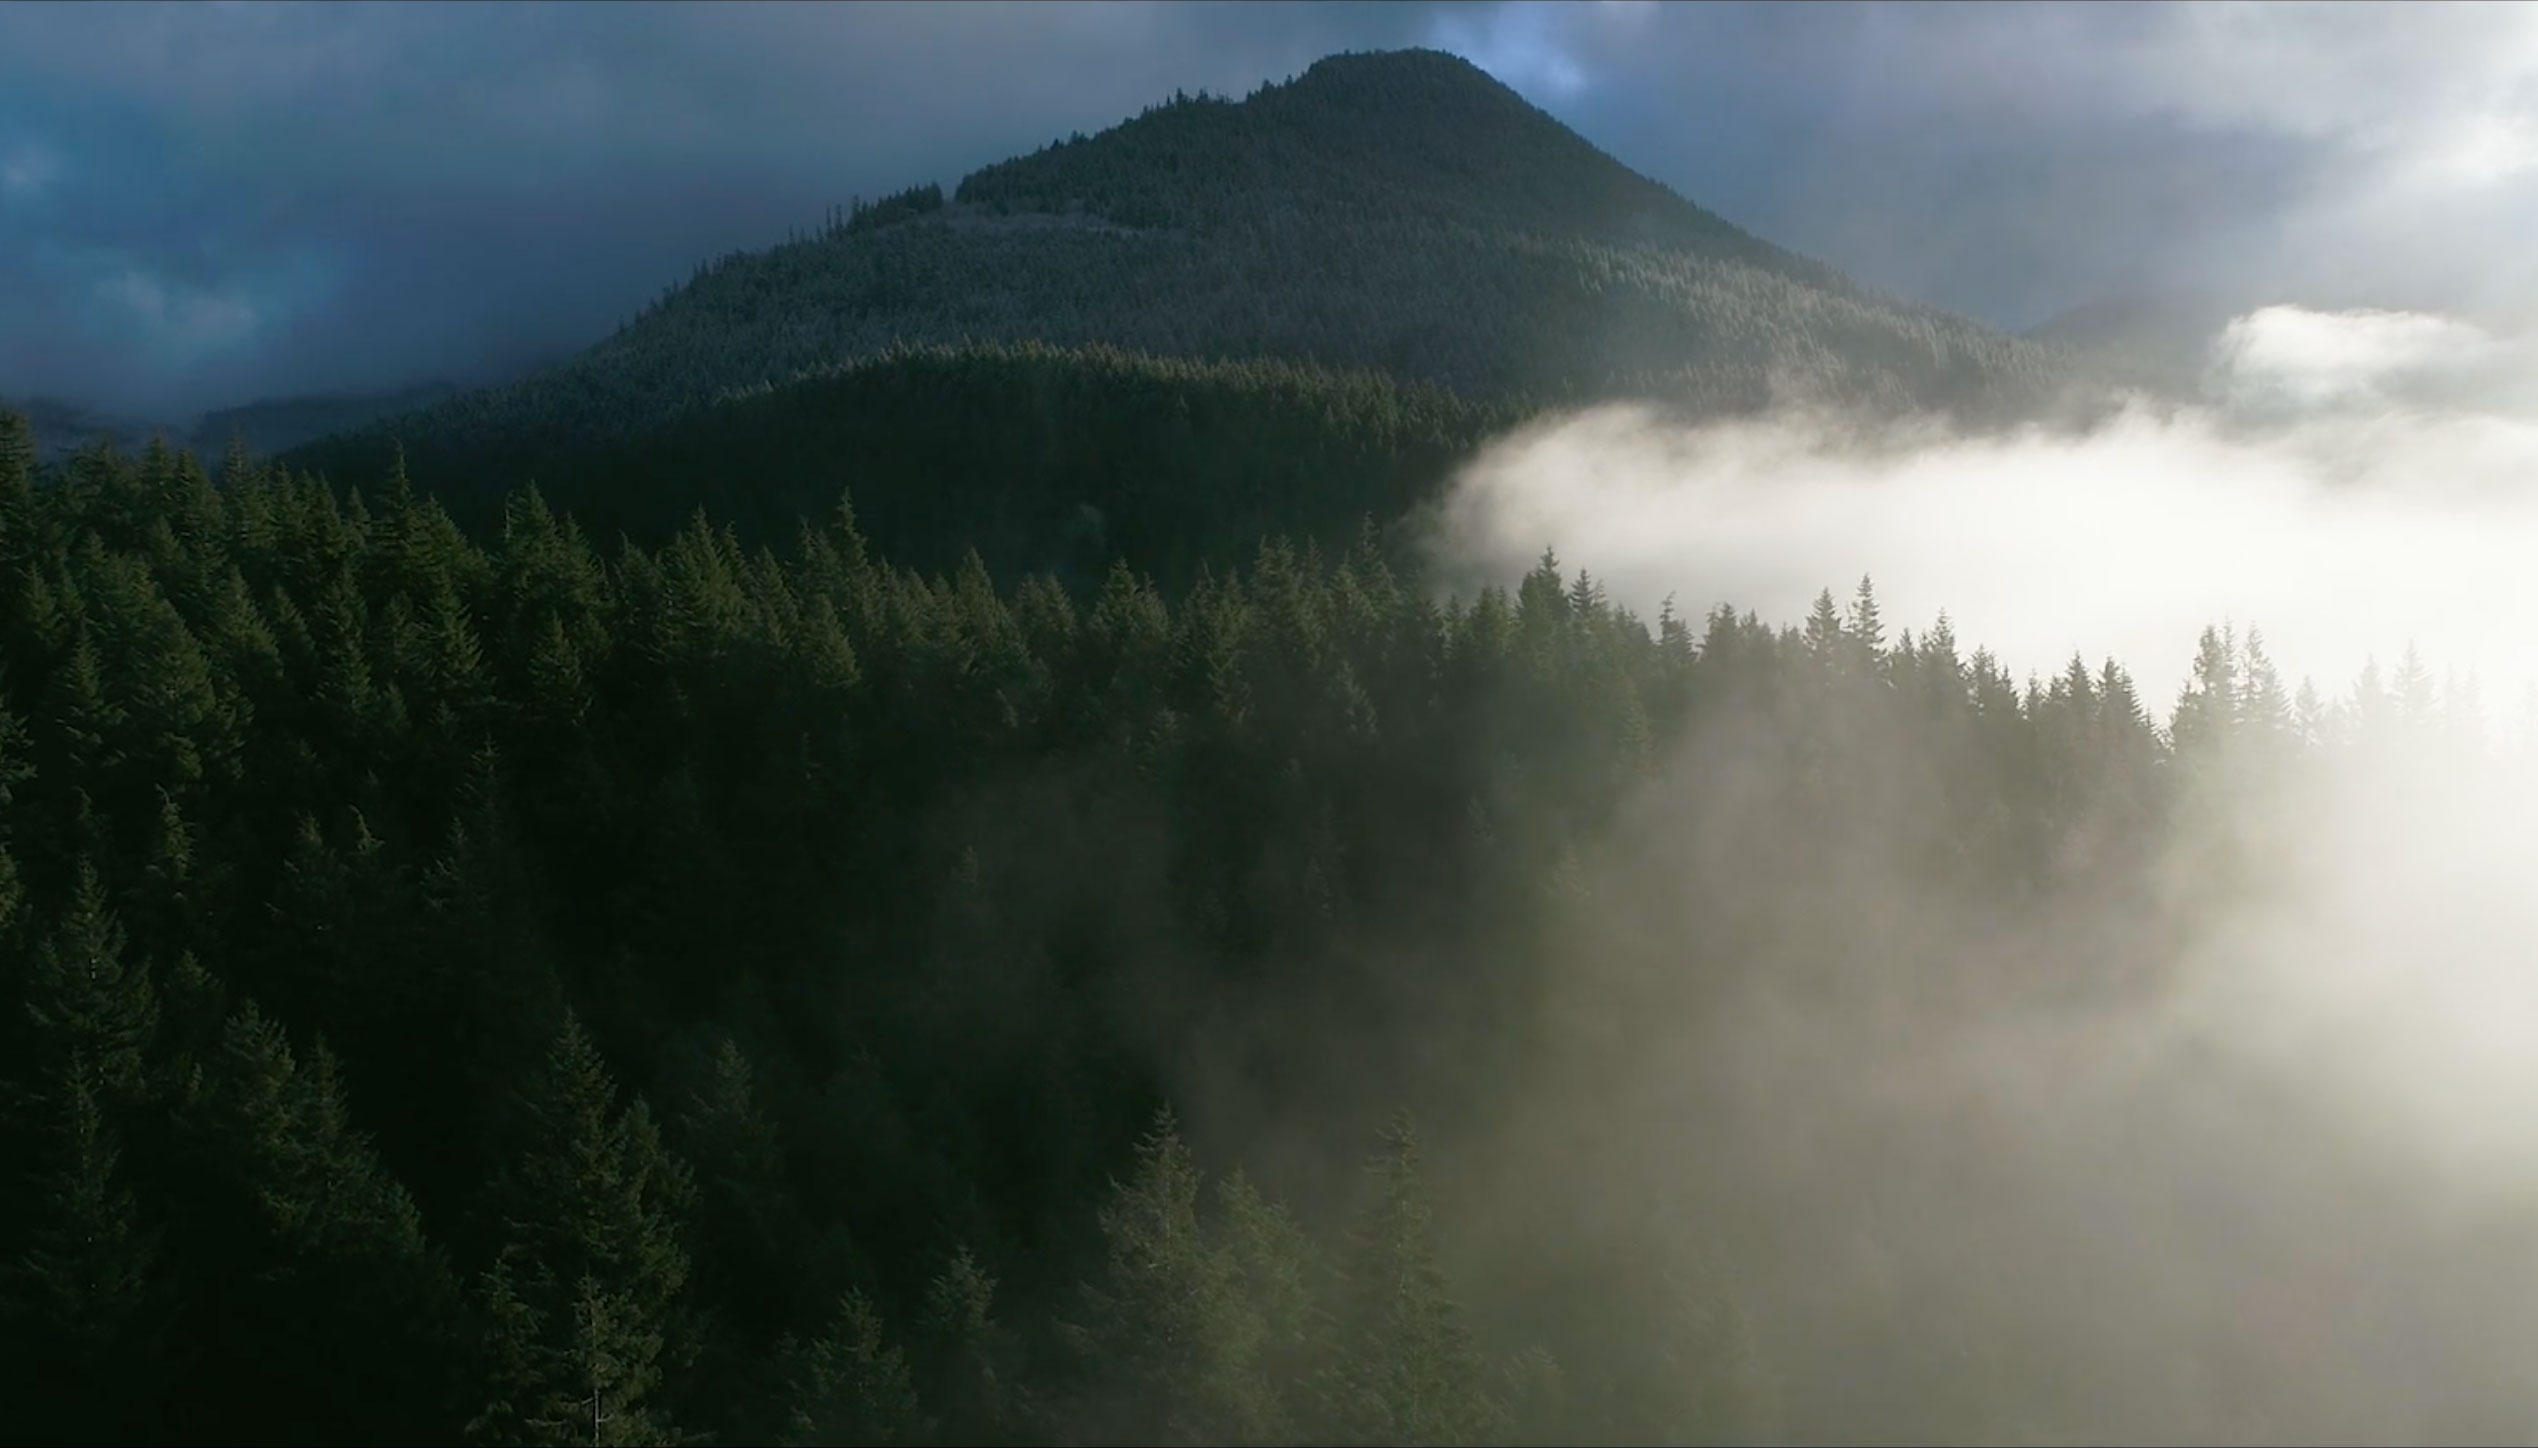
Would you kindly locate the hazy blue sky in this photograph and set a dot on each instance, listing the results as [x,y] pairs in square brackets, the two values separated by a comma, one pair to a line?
[201,203]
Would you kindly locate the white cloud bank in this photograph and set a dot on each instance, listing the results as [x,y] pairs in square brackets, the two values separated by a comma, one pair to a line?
[2356,482]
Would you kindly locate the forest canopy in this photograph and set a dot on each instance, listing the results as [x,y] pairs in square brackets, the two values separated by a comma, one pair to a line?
[540,988]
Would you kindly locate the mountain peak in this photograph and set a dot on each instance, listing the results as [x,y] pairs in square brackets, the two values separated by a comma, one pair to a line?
[1391,72]
[1402,132]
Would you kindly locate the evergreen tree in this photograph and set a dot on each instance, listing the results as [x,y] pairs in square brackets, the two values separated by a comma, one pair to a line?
[578,1304]
[1175,1344]
[972,1377]
[91,1011]
[751,1249]
[1824,633]
[2413,690]
[2208,713]
[2312,722]
[1866,628]
[2264,709]
[850,1385]
[332,1318]
[1276,1275]
[84,1300]
[84,1304]
[1405,1369]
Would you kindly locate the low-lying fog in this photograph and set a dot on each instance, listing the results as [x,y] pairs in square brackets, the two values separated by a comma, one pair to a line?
[2351,483]
[2283,1186]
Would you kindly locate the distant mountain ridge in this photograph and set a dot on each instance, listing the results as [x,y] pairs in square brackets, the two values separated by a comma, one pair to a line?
[2157,340]
[266,426]
[273,425]
[63,427]
[1399,212]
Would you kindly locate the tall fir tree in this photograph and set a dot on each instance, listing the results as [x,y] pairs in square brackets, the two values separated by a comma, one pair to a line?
[970,1374]
[751,1248]
[84,1299]
[1173,1341]
[849,1385]
[330,1317]
[1405,1369]
[579,1305]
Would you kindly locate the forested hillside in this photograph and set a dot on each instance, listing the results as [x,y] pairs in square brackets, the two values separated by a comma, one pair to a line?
[275,424]
[524,989]
[1035,458]
[1399,212]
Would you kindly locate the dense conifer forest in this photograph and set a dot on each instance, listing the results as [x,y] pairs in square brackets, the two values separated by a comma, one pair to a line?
[1040,459]
[521,985]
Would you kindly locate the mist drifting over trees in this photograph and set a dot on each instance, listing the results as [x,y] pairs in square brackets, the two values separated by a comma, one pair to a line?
[773,993]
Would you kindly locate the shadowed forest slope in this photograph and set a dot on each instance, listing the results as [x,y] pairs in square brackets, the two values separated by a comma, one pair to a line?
[1036,458]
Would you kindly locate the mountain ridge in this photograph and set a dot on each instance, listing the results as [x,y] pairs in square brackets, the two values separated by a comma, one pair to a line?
[264,425]
[1392,211]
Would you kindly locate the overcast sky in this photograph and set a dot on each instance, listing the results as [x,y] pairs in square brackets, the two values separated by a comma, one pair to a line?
[203,203]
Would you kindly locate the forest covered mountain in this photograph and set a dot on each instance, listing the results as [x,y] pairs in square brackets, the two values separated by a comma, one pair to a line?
[1398,213]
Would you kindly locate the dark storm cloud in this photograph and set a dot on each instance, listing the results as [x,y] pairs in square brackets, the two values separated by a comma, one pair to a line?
[204,202]
[200,203]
